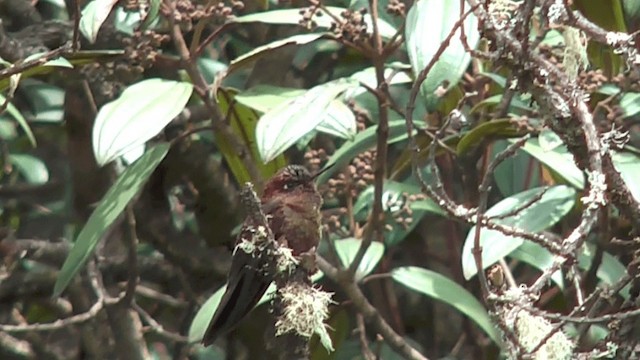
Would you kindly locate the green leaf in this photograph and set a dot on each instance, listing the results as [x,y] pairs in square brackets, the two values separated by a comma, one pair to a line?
[429,22]
[264,98]
[553,204]
[287,123]
[77,58]
[201,321]
[152,15]
[292,17]
[338,120]
[243,121]
[538,257]
[46,102]
[32,168]
[263,50]
[516,173]
[139,114]
[500,128]
[93,16]
[364,140]
[17,115]
[560,160]
[108,210]
[609,272]
[629,167]
[630,104]
[517,103]
[347,250]
[439,287]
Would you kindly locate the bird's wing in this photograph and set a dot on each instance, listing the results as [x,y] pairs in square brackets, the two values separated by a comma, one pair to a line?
[247,281]
[247,284]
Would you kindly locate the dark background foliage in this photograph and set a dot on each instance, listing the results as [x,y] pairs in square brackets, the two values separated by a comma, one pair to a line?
[127,129]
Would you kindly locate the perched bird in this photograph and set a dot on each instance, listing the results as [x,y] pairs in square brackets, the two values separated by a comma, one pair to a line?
[291,203]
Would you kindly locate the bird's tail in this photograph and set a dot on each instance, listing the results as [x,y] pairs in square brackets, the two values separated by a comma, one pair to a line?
[245,288]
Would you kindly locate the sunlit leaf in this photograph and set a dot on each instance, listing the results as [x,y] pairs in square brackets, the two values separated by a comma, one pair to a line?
[429,22]
[630,104]
[32,168]
[292,17]
[439,287]
[338,121]
[107,211]
[260,51]
[560,160]
[629,167]
[553,204]
[284,125]
[139,114]
[93,16]
[347,250]
[243,121]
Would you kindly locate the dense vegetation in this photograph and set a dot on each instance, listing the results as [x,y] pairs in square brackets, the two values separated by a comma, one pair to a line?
[480,188]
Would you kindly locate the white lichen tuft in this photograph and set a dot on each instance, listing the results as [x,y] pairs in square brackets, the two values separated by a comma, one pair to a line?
[617,38]
[305,310]
[245,245]
[531,329]
[557,12]
[285,261]
[575,52]
[598,188]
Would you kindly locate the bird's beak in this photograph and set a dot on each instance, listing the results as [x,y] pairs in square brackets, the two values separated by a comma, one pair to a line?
[322,171]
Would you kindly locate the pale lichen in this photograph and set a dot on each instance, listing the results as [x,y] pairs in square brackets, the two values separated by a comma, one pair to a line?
[305,310]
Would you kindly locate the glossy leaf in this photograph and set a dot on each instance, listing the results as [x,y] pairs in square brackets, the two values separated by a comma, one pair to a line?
[263,50]
[243,121]
[77,58]
[292,17]
[609,272]
[516,104]
[630,104]
[538,257]
[93,16]
[338,120]
[139,114]
[33,169]
[347,250]
[287,123]
[559,160]
[553,204]
[107,211]
[629,167]
[441,288]
[429,22]
[500,128]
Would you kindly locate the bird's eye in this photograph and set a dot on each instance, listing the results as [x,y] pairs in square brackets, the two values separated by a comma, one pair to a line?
[288,185]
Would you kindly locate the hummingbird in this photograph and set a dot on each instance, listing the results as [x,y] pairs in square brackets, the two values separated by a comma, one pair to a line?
[291,204]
